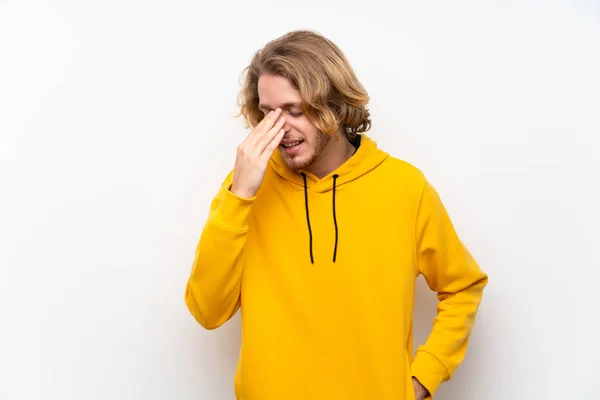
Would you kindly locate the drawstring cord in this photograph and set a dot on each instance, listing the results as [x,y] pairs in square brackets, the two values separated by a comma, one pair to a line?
[335,219]
[312,260]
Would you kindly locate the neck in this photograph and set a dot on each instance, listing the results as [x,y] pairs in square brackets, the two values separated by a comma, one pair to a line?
[337,152]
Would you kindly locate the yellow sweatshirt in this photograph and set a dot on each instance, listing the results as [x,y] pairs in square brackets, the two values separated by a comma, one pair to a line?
[324,272]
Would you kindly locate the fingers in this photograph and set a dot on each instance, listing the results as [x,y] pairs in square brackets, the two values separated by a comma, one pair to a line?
[268,137]
[271,146]
[263,126]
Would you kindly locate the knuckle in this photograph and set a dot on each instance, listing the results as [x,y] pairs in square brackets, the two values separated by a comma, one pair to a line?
[243,154]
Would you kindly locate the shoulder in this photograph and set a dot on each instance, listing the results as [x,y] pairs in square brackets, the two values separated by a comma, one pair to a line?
[404,173]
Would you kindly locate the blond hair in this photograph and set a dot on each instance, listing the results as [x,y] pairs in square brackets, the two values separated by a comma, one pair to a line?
[332,96]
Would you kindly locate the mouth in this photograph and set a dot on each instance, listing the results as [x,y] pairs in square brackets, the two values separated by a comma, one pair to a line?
[291,149]
[290,145]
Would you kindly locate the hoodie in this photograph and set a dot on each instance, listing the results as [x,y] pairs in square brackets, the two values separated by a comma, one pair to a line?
[324,273]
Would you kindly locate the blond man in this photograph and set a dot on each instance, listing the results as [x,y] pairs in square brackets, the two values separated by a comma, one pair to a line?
[317,236]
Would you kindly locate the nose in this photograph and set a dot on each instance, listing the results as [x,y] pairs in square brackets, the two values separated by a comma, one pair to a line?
[287,126]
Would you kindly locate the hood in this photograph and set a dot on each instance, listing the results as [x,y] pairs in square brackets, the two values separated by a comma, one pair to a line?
[367,157]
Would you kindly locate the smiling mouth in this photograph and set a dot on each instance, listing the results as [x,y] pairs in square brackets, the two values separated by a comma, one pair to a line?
[291,144]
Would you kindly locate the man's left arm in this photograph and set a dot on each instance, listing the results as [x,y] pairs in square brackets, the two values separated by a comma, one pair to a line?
[454,275]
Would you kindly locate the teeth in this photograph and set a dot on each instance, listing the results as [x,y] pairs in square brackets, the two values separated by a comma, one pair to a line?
[291,144]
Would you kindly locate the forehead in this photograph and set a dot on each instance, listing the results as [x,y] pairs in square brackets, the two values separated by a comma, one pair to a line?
[276,91]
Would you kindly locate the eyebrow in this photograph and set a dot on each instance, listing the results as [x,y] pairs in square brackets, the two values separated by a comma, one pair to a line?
[286,105]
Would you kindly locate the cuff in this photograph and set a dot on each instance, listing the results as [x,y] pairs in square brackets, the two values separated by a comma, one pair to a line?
[233,211]
[429,371]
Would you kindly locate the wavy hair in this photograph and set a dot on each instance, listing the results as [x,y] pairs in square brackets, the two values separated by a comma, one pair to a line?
[332,96]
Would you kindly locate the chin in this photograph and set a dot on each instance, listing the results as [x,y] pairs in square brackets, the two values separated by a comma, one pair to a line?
[298,162]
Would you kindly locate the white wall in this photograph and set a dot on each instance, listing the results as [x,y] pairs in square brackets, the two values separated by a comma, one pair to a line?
[116,128]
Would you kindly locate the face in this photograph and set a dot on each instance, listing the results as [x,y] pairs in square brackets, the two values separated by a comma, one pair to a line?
[303,143]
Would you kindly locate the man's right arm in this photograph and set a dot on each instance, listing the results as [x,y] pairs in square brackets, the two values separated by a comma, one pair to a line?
[212,292]
[213,289]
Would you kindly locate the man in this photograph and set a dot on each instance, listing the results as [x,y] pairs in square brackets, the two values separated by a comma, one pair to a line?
[318,237]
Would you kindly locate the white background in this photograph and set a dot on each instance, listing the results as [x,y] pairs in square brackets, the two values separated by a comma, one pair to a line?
[116,124]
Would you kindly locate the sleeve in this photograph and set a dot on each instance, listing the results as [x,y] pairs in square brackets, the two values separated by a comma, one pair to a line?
[212,292]
[449,270]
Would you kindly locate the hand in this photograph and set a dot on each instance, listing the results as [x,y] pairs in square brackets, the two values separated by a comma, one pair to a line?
[254,153]
[420,391]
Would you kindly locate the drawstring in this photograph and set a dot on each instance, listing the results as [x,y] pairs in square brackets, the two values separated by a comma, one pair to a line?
[335,219]
[312,260]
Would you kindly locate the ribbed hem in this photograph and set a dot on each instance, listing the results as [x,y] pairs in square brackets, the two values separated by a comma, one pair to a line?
[429,371]
[233,211]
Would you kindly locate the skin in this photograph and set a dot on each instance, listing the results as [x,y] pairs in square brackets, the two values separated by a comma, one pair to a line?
[284,123]
[253,155]
[420,391]
[320,153]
